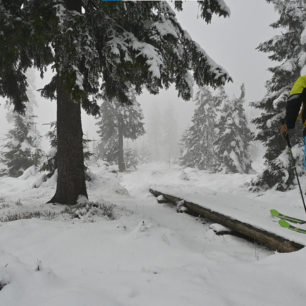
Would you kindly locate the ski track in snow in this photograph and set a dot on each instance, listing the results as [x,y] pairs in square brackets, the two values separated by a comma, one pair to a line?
[148,255]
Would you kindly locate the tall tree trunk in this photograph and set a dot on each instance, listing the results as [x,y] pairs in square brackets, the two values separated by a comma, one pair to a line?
[70,159]
[121,162]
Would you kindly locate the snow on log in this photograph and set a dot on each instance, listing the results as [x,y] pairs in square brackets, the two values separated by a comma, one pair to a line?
[245,230]
[220,229]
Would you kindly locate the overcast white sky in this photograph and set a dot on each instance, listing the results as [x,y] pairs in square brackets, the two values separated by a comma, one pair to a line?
[231,42]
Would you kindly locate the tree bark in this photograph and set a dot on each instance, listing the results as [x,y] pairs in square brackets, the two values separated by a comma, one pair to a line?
[121,163]
[70,159]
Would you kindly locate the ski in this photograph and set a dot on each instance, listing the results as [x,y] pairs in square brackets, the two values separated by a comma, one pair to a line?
[285,224]
[277,214]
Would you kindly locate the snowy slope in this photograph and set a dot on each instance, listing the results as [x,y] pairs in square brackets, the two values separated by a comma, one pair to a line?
[147,255]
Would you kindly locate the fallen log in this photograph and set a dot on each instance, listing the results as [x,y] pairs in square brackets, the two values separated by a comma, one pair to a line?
[245,230]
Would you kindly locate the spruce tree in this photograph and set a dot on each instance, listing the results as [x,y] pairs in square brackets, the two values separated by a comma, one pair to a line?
[287,50]
[197,141]
[219,97]
[118,122]
[22,147]
[218,139]
[233,136]
[126,44]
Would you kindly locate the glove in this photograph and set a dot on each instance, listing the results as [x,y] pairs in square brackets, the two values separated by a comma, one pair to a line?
[284,130]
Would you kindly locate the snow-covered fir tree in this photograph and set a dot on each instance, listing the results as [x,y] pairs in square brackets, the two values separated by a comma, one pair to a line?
[288,49]
[232,136]
[197,141]
[219,97]
[218,139]
[119,122]
[21,149]
[87,43]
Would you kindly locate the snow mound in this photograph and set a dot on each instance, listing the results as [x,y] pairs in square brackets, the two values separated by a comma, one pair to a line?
[143,226]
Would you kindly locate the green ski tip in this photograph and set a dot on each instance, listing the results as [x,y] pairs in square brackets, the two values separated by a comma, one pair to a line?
[274,212]
[284,223]
[277,214]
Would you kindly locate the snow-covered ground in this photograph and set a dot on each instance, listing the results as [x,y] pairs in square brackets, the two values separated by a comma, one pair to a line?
[144,253]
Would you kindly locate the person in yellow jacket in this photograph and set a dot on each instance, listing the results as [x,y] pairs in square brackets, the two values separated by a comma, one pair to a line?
[297,97]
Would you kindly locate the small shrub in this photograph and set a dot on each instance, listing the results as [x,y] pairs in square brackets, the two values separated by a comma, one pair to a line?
[28,215]
[91,209]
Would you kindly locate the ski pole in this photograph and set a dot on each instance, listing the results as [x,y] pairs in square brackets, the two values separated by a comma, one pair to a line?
[294,167]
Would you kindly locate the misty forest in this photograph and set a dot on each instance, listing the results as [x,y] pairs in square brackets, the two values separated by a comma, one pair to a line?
[152,152]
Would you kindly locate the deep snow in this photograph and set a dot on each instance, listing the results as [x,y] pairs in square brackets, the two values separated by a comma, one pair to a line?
[148,255]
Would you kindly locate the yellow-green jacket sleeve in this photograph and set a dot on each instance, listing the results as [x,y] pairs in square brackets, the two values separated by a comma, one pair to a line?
[298,86]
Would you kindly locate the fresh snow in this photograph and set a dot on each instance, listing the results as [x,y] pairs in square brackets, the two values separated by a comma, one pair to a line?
[148,254]
[165,28]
